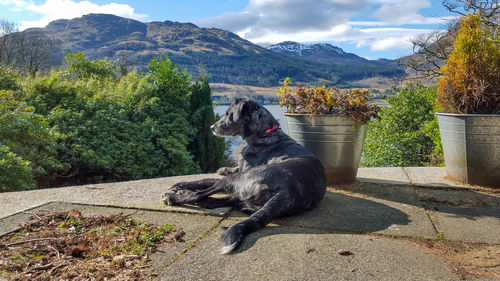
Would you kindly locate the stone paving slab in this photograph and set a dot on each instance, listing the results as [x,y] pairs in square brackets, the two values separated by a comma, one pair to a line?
[468,198]
[468,224]
[364,214]
[469,216]
[295,253]
[390,175]
[434,177]
[195,226]
[132,194]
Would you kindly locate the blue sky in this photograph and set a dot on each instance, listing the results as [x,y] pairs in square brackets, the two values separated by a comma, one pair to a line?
[369,28]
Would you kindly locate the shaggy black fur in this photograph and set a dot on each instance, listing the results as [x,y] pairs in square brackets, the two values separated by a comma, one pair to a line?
[275,175]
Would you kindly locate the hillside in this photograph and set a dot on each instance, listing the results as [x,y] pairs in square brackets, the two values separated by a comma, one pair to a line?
[224,56]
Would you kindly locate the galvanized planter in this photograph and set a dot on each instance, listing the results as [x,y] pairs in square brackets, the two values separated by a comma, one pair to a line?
[471,146]
[333,140]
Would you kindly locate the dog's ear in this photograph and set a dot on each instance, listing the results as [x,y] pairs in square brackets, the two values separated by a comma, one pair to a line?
[247,107]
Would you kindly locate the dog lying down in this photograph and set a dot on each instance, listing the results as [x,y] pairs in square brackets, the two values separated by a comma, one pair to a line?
[275,176]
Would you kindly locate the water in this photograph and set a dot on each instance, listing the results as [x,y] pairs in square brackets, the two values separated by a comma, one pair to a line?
[237,142]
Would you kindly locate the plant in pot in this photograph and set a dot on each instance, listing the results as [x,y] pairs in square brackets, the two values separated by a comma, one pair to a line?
[469,96]
[331,123]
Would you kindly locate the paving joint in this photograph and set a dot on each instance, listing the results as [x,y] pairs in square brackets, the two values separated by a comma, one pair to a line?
[186,211]
[407,175]
[192,245]
[27,209]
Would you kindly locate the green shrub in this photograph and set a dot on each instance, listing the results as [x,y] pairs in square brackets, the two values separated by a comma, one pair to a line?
[8,79]
[28,137]
[166,115]
[407,133]
[81,125]
[130,127]
[79,66]
[15,173]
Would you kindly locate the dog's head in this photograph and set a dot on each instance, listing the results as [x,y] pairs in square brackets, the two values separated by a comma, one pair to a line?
[245,118]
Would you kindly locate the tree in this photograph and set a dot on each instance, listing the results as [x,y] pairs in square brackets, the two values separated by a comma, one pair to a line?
[7,52]
[207,149]
[471,77]
[407,133]
[433,49]
[26,52]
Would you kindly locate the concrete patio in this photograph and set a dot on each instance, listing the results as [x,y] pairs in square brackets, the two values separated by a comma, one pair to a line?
[397,222]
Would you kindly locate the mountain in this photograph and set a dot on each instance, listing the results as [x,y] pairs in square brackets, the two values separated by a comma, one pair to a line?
[223,55]
[323,53]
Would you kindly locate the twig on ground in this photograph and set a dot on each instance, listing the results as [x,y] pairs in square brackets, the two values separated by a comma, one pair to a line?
[32,240]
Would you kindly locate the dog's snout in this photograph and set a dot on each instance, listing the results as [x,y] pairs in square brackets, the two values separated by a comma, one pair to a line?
[213,129]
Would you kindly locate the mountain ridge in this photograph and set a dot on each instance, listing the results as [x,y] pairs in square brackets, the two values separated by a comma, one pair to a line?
[323,53]
[224,56]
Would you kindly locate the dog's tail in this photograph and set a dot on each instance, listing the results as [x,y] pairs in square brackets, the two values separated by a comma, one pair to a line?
[228,249]
[233,237]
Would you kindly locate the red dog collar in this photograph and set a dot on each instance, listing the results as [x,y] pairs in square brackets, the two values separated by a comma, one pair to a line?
[272,129]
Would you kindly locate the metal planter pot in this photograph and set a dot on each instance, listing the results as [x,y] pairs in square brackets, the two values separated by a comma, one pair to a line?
[333,140]
[471,146]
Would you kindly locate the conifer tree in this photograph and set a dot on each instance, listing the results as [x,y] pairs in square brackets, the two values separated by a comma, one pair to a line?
[207,149]
[471,76]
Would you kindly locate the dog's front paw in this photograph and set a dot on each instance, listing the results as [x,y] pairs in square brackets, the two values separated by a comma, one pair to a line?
[177,187]
[169,199]
[233,238]
[224,171]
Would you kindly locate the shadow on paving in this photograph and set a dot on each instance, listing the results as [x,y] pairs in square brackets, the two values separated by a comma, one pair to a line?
[336,213]
[469,204]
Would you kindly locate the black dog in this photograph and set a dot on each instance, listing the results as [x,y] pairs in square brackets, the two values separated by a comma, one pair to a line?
[275,177]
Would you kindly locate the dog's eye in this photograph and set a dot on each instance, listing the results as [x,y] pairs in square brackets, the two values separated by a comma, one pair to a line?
[230,117]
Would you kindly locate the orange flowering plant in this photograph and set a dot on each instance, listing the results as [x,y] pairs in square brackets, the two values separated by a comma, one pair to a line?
[320,100]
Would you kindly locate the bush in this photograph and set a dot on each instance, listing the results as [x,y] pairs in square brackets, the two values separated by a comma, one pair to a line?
[79,66]
[15,173]
[27,141]
[471,76]
[75,126]
[8,79]
[407,133]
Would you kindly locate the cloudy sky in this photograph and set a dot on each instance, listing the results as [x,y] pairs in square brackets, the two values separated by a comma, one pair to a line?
[369,28]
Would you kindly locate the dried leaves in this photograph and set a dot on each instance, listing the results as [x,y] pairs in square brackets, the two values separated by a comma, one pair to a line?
[67,245]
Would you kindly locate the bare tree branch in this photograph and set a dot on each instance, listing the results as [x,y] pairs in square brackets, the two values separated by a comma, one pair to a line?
[431,50]
[26,52]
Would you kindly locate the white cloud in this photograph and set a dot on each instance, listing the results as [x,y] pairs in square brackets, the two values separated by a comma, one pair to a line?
[405,12]
[272,21]
[385,39]
[263,18]
[68,9]
[15,5]
[391,43]
[342,32]
[367,23]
